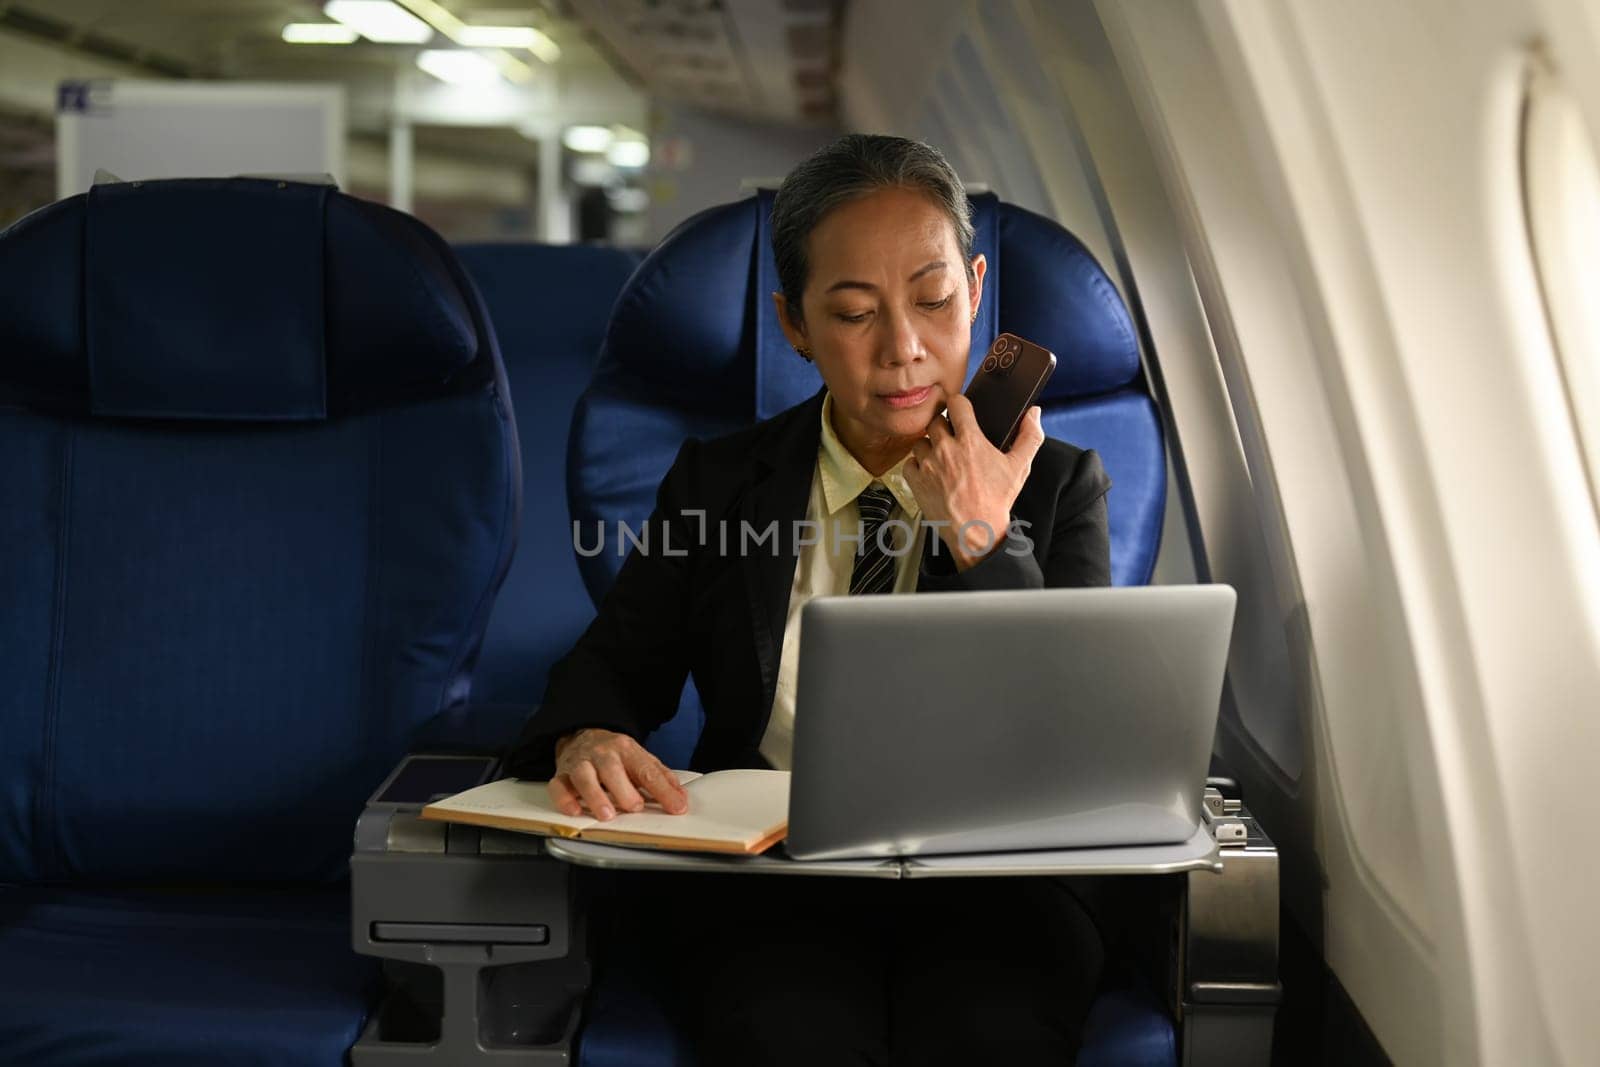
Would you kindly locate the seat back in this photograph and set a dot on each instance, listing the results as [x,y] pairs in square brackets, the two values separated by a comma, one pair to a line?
[694,349]
[260,482]
[549,305]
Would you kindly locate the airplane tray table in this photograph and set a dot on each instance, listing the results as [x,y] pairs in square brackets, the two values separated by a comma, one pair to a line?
[623,858]
[1199,853]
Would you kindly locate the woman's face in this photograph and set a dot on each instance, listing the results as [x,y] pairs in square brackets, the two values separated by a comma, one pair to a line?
[887,316]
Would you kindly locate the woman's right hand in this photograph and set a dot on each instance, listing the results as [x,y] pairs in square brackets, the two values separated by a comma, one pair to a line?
[603,771]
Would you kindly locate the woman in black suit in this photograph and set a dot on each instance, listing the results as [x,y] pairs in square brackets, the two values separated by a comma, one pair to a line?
[873,244]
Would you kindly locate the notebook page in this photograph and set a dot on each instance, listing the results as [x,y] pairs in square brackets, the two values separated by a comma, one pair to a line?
[738,805]
[512,801]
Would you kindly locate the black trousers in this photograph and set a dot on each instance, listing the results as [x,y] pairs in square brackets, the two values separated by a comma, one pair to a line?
[799,970]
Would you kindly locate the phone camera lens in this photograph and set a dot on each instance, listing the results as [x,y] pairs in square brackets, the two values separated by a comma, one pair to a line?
[988,364]
[1007,359]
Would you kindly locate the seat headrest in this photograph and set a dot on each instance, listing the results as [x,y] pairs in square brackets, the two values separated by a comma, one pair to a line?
[696,324]
[1053,292]
[682,324]
[235,298]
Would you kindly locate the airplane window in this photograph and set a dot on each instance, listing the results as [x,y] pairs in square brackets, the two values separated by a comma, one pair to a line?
[1561,188]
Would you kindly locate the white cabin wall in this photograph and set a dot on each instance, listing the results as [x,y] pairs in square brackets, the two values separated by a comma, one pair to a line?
[1343,182]
[1413,255]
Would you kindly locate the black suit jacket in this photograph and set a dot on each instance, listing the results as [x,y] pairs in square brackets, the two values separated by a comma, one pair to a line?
[694,604]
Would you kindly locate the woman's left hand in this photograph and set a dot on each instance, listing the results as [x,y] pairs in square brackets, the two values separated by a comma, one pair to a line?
[961,479]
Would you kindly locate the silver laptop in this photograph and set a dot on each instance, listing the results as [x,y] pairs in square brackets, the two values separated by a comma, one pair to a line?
[997,721]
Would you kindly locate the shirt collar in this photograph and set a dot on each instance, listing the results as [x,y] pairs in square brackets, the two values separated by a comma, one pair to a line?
[843,476]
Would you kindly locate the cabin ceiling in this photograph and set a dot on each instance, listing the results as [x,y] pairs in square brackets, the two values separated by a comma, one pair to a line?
[764,59]
[771,60]
[228,38]
[242,39]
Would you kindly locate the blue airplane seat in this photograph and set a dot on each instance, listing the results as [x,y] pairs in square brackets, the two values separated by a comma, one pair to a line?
[258,487]
[549,305]
[694,349]
[627,1026]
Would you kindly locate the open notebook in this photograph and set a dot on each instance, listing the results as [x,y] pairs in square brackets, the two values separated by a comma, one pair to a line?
[739,811]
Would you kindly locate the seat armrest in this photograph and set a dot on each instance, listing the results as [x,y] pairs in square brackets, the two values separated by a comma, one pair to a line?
[1228,942]
[481,931]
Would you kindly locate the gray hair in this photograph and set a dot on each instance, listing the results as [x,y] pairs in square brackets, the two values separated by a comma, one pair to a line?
[850,167]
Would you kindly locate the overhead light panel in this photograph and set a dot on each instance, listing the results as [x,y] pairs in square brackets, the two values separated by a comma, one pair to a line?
[458,67]
[628,154]
[382,21]
[587,138]
[510,37]
[495,36]
[542,46]
[513,37]
[319,33]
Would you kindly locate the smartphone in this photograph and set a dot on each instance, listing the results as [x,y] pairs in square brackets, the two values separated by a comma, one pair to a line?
[1007,384]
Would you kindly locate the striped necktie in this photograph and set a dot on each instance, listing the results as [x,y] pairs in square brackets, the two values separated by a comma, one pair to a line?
[874,571]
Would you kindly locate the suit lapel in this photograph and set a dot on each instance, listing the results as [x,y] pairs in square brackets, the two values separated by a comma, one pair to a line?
[784,463]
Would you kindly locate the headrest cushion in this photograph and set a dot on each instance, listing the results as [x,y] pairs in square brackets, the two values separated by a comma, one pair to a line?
[682,326]
[1056,295]
[205,302]
[226,299]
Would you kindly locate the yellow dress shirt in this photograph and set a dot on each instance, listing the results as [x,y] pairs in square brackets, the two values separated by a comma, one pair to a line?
[824,565]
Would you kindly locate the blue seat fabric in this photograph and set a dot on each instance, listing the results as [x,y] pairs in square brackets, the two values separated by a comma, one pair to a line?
[144,977]
[627,1026]
[258,486]
[694,350]
[549,305]
[1127,1027]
